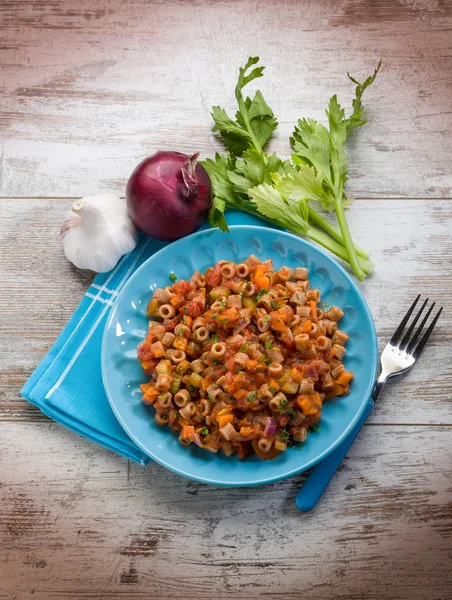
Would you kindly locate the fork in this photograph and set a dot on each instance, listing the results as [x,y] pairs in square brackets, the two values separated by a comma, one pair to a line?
[399,356]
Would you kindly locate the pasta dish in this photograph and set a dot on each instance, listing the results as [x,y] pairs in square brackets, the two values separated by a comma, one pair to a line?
[242,358]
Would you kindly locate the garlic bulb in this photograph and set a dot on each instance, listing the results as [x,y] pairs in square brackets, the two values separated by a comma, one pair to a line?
[97,231]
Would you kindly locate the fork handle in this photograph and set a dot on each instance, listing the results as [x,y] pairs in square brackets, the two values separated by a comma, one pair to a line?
[379,385]
[322,473]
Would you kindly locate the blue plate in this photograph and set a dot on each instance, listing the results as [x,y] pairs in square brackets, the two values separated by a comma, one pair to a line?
[127,326]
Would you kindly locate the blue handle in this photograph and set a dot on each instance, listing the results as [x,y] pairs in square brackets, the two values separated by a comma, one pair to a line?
[322,473]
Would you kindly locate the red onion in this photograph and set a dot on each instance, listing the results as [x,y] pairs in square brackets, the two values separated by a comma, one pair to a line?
[241,324]
[271,427]
[169,195]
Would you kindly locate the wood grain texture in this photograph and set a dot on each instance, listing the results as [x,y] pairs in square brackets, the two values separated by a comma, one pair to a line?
[409,241]
[90,525]
[89,89]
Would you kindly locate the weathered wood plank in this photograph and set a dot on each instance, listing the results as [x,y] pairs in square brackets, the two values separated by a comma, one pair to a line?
[409,241]
[88,89]
[79,522]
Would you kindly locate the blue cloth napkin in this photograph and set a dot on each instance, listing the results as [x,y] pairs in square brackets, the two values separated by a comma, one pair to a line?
[67,385]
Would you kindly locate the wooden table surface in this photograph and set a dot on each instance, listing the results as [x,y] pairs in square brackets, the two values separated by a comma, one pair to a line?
[87,90]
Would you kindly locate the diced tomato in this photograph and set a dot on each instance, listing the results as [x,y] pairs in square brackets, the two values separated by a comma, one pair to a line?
[287,339]
[173,322]
[213,276]
[282,420]
[191,309]
[259,379]
[182,288]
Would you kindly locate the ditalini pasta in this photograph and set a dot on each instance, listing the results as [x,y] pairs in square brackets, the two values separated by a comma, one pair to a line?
[242,358]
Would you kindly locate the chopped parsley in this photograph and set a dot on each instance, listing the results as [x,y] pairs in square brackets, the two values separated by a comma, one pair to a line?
[175,415]
[214,317]
[223,303]
[260,293]
[191,388]
[184,320]
[274,304]
[267,361]
[251,397]
[268,344]
[267,319]
[240,372]
[283,434]
[226,321]
[243,348]
[204,431]
[314,428]
[215,338]
[285,409]
[173,276]
[272,389]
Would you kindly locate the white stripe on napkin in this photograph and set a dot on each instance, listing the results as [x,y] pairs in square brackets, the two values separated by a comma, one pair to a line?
[95,325]
[93,303]
[104,289]
[109,302]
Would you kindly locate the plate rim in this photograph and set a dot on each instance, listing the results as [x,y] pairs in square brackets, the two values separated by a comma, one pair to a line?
[271,479]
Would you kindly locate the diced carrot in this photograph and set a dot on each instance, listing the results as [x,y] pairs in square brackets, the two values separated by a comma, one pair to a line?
[227,318]
[262,283]
[273,384]
[151,394]
[177,300]
[187,430]
[296,375]
[251,365]
[145,386]
[183,422]
[224,419]
[180,343]
[307,326]
[308,408]
[246,431]
[309,403]
[239,394]
[186,320]
[206,382]
[345,378]
[259,278]
[313,307]
[277,321]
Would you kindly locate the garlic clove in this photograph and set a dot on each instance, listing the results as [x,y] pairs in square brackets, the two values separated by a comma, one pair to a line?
[97,231]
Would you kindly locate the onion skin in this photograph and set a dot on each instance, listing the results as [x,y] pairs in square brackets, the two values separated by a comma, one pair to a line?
[169,195]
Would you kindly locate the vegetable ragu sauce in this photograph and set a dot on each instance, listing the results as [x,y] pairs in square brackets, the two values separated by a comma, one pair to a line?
[242,358]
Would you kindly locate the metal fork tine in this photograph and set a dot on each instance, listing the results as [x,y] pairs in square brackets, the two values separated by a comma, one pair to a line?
[423,341]
[406,337]
[398,332]
[412,344]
